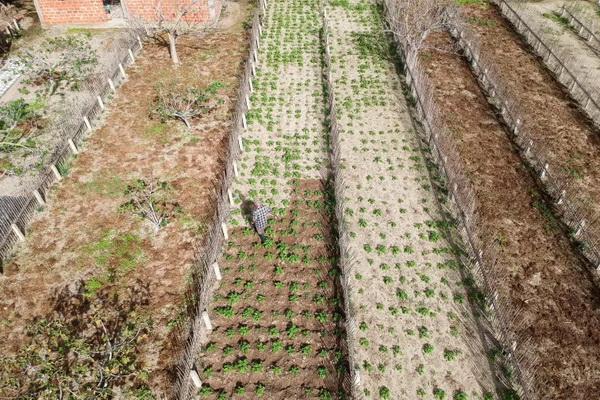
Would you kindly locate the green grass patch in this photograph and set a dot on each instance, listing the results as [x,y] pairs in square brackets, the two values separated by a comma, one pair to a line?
[158,131]
[110,186]
[120,252]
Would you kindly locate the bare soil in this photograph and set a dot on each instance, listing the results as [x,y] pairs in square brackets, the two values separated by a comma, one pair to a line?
[551,117]
[82,234]
[287,293]
[540,273]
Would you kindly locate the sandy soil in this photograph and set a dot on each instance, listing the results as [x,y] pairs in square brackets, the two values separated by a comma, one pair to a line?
[406,286]
[539,272]
[73,240]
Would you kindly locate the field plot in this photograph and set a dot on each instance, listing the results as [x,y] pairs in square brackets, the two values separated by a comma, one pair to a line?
[91,301]
[50,96]
[570,141]
[537,270]
[416,336]
[578,56]
[277,312]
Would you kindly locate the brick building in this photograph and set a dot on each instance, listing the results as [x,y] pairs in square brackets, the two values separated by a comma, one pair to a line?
[73,12]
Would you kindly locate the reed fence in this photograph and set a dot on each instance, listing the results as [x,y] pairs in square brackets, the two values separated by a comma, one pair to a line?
[481,257]
[577,214]
[73,129]
[555,61]
[582,28]
[205,271]
[347,260]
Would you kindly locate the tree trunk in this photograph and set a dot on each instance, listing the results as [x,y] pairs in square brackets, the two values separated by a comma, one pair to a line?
[173,48]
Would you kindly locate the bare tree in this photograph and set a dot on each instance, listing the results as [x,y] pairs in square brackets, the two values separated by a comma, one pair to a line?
[412,21]
[173,22]
[151,201]
[8,14]
[186,104]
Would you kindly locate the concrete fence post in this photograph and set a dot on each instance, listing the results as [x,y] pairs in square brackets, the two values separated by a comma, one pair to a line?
[111,84]
[139,39]
[235,170]
[18,232]
[206,320]
[241,143]
[86,120]
[244,122]
[217,271]
[224,230]
[38,197]
[561,197]
[100,102]
[247,102]
[230,196]
[195,378]
[131,55]
[122,70]
[55,172]
[544,171]
[580,228]
[73,147]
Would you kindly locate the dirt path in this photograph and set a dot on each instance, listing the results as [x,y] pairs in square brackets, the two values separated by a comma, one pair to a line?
[276,311]
[407,290]
[540,274]
[86,250]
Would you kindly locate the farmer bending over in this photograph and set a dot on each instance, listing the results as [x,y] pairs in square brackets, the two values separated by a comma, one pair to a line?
[260,218]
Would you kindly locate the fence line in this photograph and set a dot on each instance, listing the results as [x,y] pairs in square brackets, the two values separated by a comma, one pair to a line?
[205,270]
[559,185]
[16,213]
[581,28]
[590,105]
[347,260]
[500,314]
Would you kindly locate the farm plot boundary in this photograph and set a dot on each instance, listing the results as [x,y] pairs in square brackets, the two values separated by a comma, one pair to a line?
[206,273]
[581,28]
[346,258]
[555,62]
[16,214]
[479,255]
[577,217]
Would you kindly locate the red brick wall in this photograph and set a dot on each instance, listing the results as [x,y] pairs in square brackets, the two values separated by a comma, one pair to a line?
[59,12]
[203,11]
[64,12]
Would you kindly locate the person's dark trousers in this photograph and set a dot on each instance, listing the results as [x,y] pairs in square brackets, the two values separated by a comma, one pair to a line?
[263,238]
